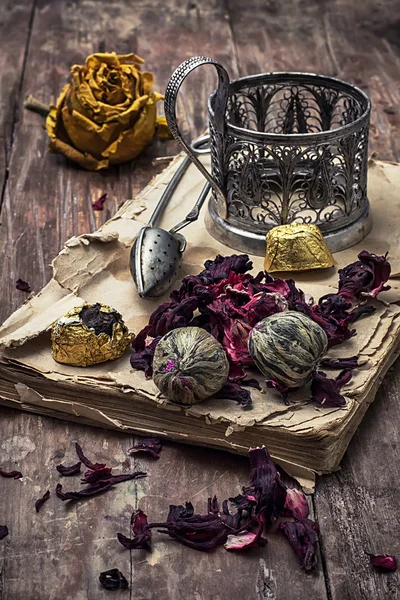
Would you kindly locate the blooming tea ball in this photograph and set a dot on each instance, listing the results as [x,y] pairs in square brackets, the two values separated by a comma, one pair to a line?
[189,365]
[287,346]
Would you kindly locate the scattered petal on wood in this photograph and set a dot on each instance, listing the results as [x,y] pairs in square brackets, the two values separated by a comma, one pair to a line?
[88,463]
[113,580]
[384,562]
[13,474]
[68,471]
[39,503]
[93,490]
[23,286]
[3,531]
[99,204]
[151,446]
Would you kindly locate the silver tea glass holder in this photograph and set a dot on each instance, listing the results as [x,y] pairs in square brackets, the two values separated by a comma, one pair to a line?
[285,148]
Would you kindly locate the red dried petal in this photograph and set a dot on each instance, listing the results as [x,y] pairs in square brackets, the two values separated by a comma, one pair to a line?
[326,391]
[3,531]
[94,490]
[23,286]
[365,277]
[88,463]
[386,562]
[68,471]
[296,503]
[303,537]
[99,204]
[113,580]
[141,533]
[269,490]
[151,446]
[39,503]
[13,474]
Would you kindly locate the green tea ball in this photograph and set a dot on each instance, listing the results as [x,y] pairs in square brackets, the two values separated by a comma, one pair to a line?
[287,346]
[189,365]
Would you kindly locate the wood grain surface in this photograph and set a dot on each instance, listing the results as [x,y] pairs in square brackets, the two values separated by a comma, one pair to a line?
[60,552]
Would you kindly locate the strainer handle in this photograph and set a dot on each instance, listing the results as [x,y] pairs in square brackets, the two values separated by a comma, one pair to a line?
[221,98]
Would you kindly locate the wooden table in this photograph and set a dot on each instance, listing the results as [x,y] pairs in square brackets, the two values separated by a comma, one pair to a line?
[59,553]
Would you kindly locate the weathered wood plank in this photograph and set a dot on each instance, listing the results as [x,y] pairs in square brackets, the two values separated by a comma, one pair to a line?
[173,571]
[358,508]
[15,21]
[63,548]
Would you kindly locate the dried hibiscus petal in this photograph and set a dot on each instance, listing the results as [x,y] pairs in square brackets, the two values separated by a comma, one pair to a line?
[125,477]
[88,463]
[113,580]
[151,446]
[23,286]
[39,503]
[141,533]
[303,537]
[233,391]
[385,562]
[269,490]
[93,490]
[340,363]
[13,474]
[68,471]
[365,277]
[296,503]
[99,204]
[326,391]
[3,531]
[97,475]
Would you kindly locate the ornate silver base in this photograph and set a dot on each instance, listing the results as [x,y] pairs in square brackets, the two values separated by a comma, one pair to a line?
[254,243]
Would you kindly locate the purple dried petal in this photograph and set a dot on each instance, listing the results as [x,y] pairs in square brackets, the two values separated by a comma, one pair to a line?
[326,391]
[141,532]
[88,463]
[303,537]
[97,475]
[213,506]
[97,488]
[151,446]
[340,363]
[124,477]
[269,490]
[99,204]
[39,503]
[359,312]
[142,359]
[14,474]
[113,580]
[23,286]
[386,562]
[233,391]
[279,387]
[3,531]
[68,471]
[296,504]
[365,277]
[222,266]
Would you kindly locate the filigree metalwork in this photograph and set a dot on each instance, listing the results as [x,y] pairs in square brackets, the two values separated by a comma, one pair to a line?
[295,150]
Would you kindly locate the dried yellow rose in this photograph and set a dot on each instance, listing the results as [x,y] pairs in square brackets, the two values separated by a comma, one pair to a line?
[107,115]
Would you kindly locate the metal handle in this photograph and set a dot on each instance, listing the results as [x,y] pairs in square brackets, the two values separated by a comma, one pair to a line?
[194,213]
[221,98]
[196,147]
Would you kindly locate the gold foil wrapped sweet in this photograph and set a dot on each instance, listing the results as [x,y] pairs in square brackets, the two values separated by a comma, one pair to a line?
[88,335]
[296,247]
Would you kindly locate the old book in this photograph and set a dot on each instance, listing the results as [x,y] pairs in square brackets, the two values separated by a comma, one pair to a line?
[303,438]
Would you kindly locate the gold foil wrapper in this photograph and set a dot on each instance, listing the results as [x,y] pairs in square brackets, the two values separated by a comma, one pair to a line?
[73,343]
[296,247]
